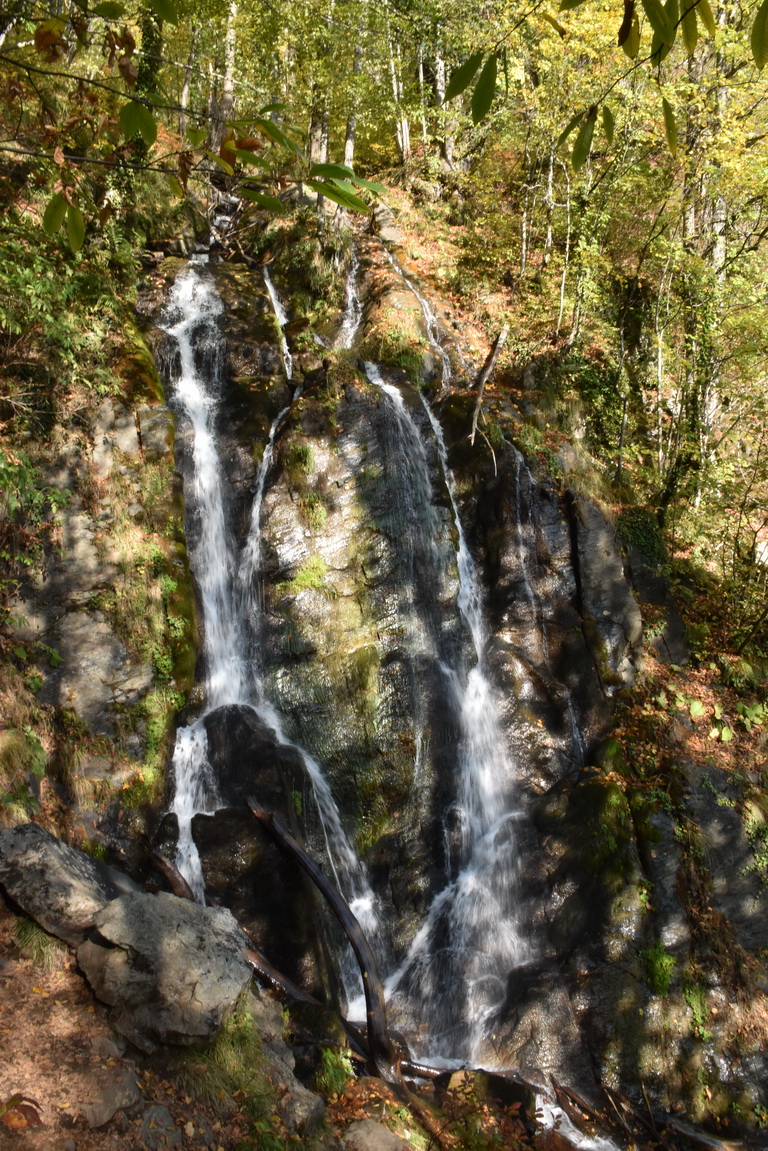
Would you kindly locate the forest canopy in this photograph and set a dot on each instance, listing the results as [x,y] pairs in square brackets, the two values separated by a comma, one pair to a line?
[602,164]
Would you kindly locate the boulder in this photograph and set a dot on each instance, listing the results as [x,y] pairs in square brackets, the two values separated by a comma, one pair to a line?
[368,1135]
[61,888]
[171,970]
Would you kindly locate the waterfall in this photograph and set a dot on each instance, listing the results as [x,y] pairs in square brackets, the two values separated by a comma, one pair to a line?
[353,308]
[227,575]
[282,319]
[468,941]
[430,320]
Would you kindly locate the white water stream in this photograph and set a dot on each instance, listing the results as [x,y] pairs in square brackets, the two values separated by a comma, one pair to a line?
[430,320]
[228,579]
[468,941]
[282,319]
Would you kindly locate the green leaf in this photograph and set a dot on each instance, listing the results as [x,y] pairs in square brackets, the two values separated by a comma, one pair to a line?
[260,198]
[690,28]
[371,185]
[626,23]
[558,27]
[670,127]
[54,214]
[463,76]
[332,171]
[659,48]
[658,20]
[109,10]
[225,167]
[485,90]
[759,37]
[75,227]
[165,10]
[247,157]
[273,133]
[707,18]
[697,709]
[137,120]
[276,107]
[567,5]
[631,45]
[583,142]
[726,735]
[196,136]
[609,123]
[574,120]
[340,195]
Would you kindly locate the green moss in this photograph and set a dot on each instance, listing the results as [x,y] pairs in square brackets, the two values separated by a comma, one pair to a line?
[640,526]
[659,967]
[231,1070]
[309,577]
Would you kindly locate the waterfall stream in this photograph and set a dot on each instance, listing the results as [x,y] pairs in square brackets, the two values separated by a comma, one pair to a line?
[227,576]
[430,320]
[282,319]
[454,948]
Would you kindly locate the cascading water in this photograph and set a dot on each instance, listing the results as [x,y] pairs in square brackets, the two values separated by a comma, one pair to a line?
[353,308]
[454,947]
[282,319]
[227,577]
[430,320]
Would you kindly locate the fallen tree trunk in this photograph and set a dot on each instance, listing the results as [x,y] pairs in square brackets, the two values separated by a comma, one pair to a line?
[484,378]
[384,1057]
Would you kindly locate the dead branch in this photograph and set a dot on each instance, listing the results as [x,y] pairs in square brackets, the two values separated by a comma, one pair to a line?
[485,376]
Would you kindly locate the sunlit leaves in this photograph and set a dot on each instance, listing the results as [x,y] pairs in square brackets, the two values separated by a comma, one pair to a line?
[485,90]
[137,120]
[221,163]
[659,20]
[165,10]
[558,27]
[262,199]
[631,45]
[689,26]
[346,175]
[75,227]
[583,143]
[707,19]
[463,76]
[54,214]
[340,193]
[572,123]
[109,10]
[670,125]
[609,123]
[626,23]
[759,37]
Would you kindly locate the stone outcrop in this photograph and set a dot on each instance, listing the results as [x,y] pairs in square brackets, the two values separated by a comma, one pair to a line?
[170,970]
[60,887]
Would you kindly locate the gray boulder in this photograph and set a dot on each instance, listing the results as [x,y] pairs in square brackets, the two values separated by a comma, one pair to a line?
[171,970]
[61,888]
[368,1135]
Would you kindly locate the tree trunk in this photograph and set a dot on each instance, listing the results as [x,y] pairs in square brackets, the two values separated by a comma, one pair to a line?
[187,85]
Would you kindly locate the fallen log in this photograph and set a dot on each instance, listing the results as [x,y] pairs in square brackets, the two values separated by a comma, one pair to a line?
[484,378]
[384,1057]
